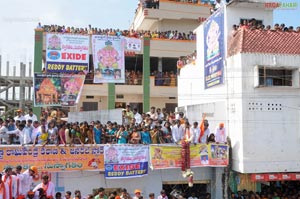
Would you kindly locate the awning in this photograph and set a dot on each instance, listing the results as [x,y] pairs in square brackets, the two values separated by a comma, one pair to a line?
[266,177]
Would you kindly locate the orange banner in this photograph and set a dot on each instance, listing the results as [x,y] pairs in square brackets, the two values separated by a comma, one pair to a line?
[53,158]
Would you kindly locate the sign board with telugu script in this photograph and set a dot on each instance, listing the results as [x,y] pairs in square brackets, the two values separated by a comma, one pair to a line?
[53,158]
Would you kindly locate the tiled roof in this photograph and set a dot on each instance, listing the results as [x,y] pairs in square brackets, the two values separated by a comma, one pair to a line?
[263,41]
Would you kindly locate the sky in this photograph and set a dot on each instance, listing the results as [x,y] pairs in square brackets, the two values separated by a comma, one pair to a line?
[18,18]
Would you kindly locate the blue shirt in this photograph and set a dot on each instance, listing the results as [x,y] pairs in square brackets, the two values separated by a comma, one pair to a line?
[97,135]
[145,137]
[123,138]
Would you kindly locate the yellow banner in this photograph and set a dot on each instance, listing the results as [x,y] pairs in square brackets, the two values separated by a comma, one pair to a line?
[201,155]
[53,158]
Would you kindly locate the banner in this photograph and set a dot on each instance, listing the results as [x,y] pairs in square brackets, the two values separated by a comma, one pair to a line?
[201,155]
[267,177]
[108,56]
[126,161]
[53,158]
[57,90]
[67,53]
[214,49]
[133,44]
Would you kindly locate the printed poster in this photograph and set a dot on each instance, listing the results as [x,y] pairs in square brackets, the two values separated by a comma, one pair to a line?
[67,53]
[133,44]
[214,49]
[109,59]
[57,90]
[126,161]
[201,155]
[53,158]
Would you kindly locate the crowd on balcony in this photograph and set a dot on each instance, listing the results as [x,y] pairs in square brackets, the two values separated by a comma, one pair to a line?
[154,127]
[133,77]
[184,60]
[165,78]
[155,3]
[170,34]
[252,24]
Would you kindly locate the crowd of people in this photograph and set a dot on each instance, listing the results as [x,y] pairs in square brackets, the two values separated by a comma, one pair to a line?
[170,34]
[18,184]
[253,24]
[276,190]
[132,77]
[165,78]
[155,3]
[154,127]
[184,60]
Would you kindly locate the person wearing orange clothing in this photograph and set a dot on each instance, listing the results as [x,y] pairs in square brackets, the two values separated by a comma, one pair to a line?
[3,189]
[137,194]
[220,133]
[11,182]
[47,186]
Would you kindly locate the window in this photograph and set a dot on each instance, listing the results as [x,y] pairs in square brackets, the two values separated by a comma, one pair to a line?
[273,76]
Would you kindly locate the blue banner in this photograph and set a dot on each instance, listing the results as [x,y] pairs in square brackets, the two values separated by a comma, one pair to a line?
[214,49]
[125,161]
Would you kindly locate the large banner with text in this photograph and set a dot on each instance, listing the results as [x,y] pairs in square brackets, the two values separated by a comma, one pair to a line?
[53,158]
[109,59]
[67,53]
[126,161]
[214,49]
[201,155]
[57,90]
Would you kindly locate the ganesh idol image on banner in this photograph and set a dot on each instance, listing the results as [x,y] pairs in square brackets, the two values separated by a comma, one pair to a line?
[212,41]
[108,54]
[214,49]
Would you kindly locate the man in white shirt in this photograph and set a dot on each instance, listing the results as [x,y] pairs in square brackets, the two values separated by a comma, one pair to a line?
[195,130]
[138,117]
[220,134]
[3,133]
[153,114]
[193,196]
[162,195]
[11,182]
[19,116]
[31,116]
[177,132]
[204,159]
[24,136]
[47,186]
[35,130]
[25,179]
[160,115]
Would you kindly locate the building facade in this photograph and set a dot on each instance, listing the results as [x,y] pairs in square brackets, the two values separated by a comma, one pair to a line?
[258,99]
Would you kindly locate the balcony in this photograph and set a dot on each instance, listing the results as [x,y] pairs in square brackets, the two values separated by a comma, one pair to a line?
[171,48]
[146,18]
[156,91]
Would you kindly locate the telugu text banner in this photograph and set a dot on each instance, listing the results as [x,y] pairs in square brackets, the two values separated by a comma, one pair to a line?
[53,158]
